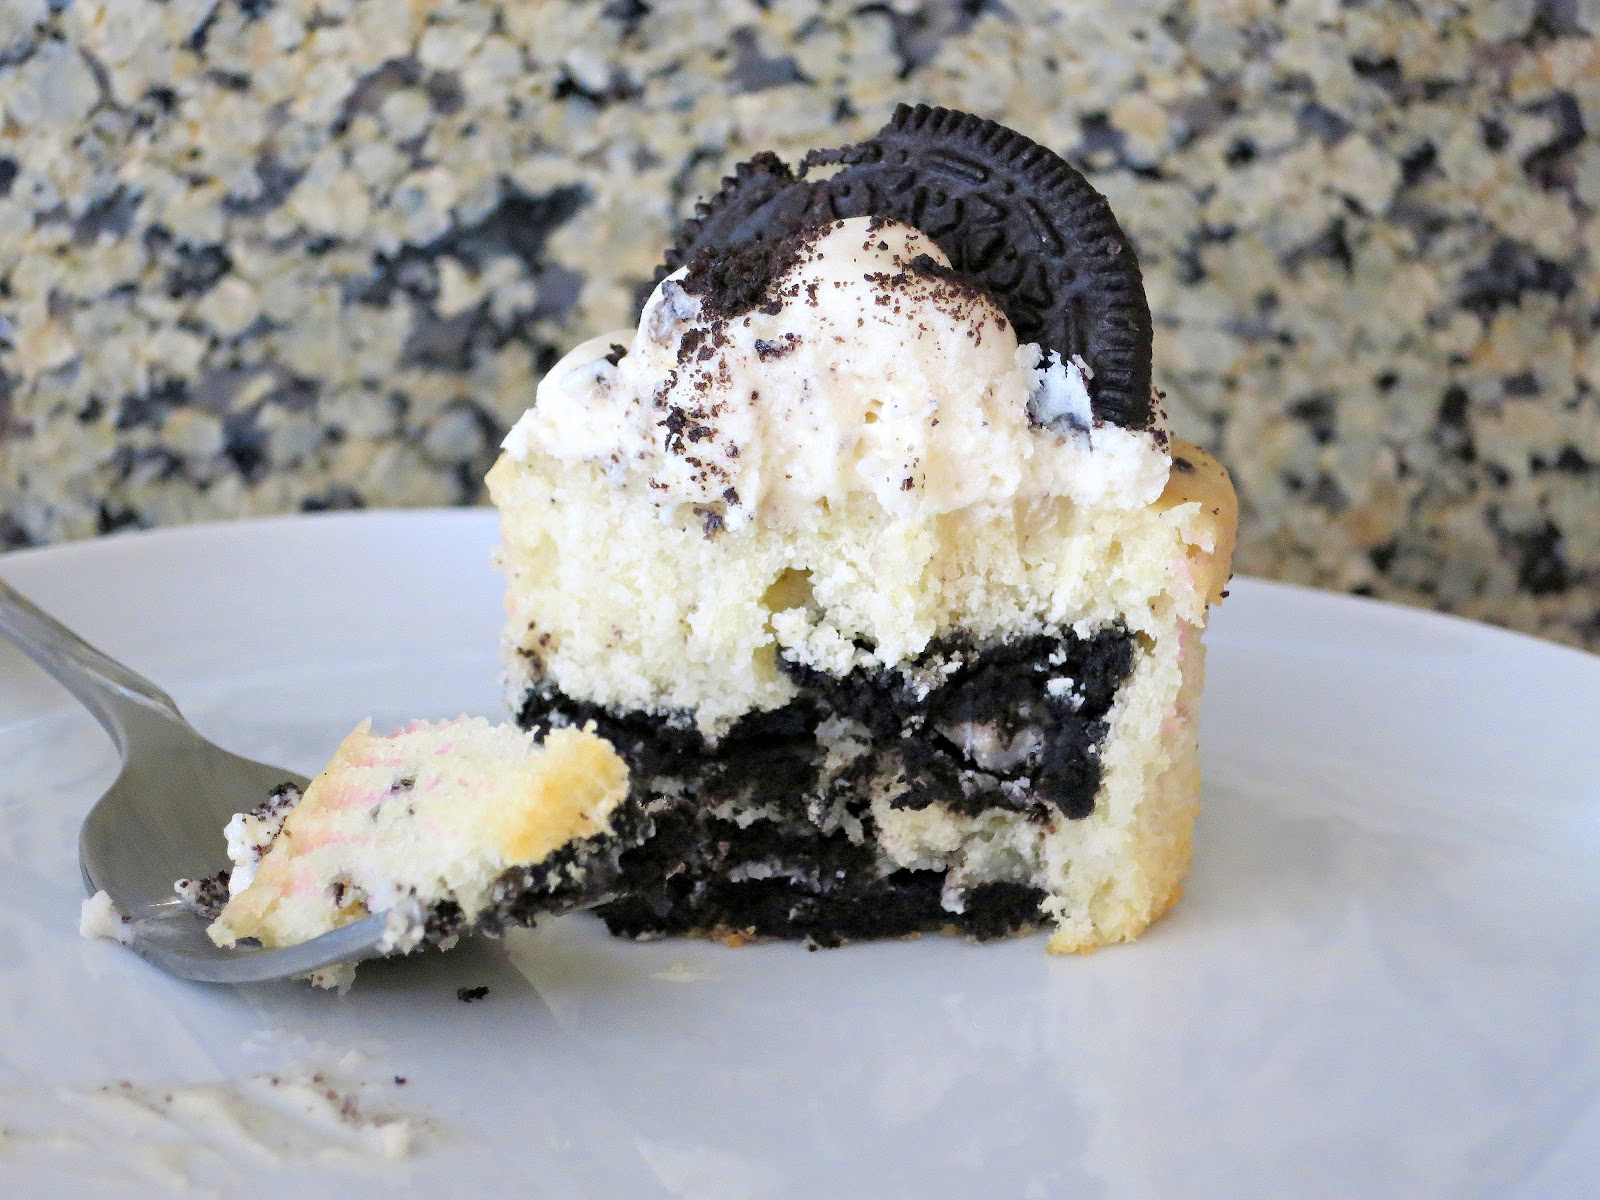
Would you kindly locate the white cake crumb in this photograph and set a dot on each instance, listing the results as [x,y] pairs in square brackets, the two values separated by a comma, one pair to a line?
[99,918]
[251,834]
[340,977]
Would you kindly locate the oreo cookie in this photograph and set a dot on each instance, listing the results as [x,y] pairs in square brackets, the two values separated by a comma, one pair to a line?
[1013,217]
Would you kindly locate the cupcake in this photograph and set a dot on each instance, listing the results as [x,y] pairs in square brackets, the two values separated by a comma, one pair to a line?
[868,550]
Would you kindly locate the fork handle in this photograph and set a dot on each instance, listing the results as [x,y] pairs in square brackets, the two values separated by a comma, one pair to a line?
[109,690]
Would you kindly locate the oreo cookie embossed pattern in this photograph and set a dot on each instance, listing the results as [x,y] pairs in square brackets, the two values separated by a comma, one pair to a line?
[1012,216]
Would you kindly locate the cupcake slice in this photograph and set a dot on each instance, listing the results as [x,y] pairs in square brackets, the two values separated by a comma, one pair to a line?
[869,552]
[452,826]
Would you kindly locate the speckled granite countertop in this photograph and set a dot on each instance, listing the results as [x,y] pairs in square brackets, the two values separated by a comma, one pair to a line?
[267,255]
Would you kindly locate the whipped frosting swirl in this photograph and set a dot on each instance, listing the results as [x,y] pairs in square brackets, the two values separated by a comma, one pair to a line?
[870,367]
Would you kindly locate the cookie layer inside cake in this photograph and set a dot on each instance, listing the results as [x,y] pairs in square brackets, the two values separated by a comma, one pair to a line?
[777,827]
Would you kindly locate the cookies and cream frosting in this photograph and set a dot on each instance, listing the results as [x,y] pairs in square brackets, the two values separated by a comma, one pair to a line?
[863,366]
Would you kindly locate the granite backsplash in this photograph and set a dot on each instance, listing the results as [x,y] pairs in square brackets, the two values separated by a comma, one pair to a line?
[263,256]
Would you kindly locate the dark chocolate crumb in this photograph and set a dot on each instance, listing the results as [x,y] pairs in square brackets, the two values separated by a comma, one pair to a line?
[926,264]
[711,520]
[691,345]
[767,350]
[674,424]
[284,793]
[1183,464]
[468,995]
[731,282]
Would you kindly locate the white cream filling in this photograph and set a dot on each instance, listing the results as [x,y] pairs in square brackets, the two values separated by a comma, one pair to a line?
[984,744]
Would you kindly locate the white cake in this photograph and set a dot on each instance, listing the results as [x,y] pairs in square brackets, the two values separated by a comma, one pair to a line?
[448,827]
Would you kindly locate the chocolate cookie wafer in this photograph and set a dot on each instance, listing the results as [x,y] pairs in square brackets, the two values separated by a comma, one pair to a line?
[1011,215]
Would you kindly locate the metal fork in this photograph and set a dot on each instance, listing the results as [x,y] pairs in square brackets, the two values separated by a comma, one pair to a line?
[162,819]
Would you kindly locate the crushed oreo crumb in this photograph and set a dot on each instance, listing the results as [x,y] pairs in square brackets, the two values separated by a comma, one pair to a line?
[468,995]
[711,521]
[735,280]
[207,896]
[767,350]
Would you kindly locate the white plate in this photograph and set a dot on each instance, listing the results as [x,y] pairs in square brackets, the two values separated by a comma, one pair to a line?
[1384,979]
